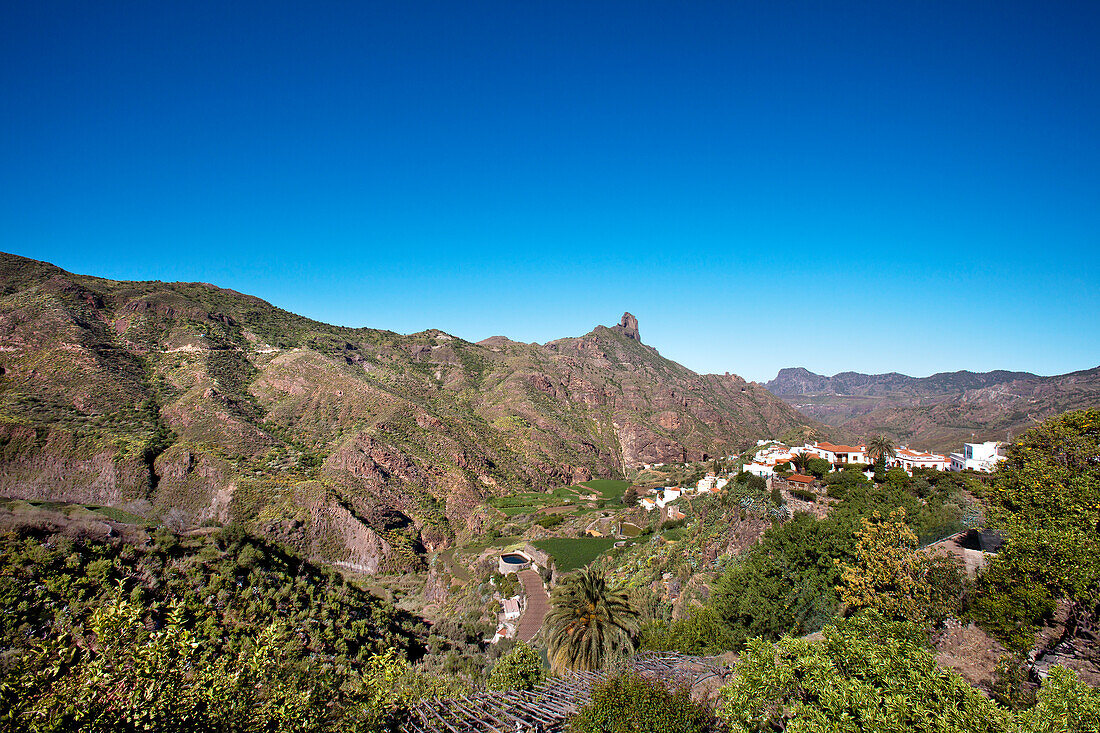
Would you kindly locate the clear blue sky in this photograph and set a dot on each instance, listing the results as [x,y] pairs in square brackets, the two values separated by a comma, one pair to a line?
[761,183]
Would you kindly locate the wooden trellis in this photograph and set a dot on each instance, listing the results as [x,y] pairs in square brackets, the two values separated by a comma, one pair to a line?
[546,708]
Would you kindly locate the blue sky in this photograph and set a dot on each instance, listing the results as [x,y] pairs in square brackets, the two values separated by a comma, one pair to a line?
[841,186]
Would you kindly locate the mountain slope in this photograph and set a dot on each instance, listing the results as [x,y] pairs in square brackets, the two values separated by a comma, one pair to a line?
[198,404]
[939,412]
[800,381]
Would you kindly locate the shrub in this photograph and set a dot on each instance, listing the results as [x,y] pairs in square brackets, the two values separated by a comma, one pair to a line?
[519,669]
[867,674]
[630,704]
[804,495]
[550,520]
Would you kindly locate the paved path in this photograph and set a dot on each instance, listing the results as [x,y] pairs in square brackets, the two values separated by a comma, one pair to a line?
[538,604]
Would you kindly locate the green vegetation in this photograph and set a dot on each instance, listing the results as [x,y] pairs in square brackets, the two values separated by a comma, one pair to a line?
[870,673]
[519,669]
[866,674]
[570,553]
[630,704]
[208,633]
[1046,500]
[610,489]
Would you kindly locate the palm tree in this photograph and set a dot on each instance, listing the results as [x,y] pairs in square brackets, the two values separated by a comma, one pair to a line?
[799,461]
[590,622]
[880,448]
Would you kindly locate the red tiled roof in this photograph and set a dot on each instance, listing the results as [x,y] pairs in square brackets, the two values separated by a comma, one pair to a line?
[842,448]
[801,479]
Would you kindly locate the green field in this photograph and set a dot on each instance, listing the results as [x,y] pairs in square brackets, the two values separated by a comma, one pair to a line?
[608,488]
[570,553]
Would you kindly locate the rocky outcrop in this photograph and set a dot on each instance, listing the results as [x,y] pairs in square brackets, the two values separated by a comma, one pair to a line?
[628,327]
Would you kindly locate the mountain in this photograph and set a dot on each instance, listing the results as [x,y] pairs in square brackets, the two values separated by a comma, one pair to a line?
[939,412]
[800,381]
[197,405]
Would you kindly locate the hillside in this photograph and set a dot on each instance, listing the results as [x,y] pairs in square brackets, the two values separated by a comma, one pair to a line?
[939,412]
[196,405]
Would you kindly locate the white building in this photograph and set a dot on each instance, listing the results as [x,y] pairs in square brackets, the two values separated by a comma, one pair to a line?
[909,459]
[668,496]
[709,483]
[647,503]
[512,608]
[838,453]
[978,456]
[762,470]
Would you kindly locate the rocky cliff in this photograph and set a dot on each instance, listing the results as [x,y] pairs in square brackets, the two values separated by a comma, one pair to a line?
[194,404]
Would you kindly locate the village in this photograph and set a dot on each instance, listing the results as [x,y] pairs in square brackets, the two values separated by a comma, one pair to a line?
[785,467]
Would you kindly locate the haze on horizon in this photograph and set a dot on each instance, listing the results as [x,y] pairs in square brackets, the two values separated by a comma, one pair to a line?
[844,187]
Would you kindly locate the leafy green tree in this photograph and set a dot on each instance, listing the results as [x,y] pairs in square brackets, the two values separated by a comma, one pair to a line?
[786,583]
[818,467]
[630,704]
[590,622]
[889,575]
[867,674]
[1064,704]
[1045,498]
[519,669]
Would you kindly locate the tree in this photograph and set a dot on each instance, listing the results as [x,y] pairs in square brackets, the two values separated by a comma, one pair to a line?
[818,466]
[519,669]
[590,622]
[630,497]
[889,575]
[1045,497]
[880,448]
[867,674]
[800,460]
[630,704]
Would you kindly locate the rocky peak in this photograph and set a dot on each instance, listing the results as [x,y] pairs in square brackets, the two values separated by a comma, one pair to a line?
[628,327]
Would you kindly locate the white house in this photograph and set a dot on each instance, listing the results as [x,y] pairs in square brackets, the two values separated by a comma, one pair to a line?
[838,453]
[710,482]
[647,503]
[668,496]
[512,608]
[908,459]
[759,469]
[978,456]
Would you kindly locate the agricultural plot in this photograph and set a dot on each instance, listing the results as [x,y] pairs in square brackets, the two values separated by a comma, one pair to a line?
[570,553]
[610,489]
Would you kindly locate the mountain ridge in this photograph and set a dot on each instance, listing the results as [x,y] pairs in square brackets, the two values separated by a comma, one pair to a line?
[939,412]
[196,404]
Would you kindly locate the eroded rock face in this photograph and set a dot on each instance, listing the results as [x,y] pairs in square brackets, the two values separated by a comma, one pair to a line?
[628,327]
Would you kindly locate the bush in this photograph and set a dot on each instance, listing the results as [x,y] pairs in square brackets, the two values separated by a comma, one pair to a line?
[519,669]
[550,521]
[630,704]
[804,495]
[868,672]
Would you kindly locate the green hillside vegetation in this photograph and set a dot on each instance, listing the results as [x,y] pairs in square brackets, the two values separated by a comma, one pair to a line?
[224,632]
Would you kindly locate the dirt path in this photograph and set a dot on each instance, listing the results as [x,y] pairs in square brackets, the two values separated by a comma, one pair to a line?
[538,604]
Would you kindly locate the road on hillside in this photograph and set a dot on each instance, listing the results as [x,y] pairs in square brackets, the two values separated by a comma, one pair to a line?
[538,604]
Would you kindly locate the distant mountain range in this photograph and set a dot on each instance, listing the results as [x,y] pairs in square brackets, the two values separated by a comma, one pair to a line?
[939,412]
[193,404]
